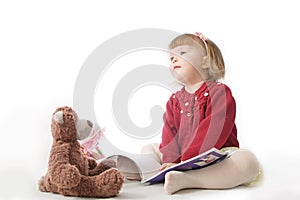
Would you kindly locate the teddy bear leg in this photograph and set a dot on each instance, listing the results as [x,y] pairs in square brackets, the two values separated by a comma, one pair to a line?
[41,185]
[102,166]
[110,182]
[106,184]
[46,186]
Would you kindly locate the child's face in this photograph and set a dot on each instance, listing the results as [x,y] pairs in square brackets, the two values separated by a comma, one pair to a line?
[186,63]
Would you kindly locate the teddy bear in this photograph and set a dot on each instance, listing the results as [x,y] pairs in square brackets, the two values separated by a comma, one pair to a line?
[70,172]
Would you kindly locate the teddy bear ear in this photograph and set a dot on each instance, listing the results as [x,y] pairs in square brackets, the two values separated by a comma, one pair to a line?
[58,117]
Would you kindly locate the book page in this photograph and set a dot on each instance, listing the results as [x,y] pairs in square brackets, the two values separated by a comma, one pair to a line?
[136,167]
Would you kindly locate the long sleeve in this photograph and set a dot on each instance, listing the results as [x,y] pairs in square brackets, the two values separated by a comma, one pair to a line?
[217,128]
[169,145]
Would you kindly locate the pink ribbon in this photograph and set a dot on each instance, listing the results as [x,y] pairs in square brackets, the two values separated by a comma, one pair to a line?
[203,38]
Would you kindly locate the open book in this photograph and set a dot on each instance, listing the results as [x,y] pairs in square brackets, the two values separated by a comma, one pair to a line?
[145,168]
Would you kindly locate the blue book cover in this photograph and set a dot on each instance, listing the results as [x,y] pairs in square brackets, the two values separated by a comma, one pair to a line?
[205,159]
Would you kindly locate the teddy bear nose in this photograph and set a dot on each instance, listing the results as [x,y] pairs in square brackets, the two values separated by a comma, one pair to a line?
[58,117]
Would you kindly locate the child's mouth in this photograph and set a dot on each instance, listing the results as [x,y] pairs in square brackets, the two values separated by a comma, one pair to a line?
[176,67]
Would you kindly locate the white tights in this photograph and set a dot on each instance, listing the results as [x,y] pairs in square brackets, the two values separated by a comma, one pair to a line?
[240,168]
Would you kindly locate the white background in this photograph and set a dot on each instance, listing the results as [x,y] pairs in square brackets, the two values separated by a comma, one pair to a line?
[44,43]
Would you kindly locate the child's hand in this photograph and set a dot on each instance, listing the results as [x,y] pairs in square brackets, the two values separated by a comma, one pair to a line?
[166,165]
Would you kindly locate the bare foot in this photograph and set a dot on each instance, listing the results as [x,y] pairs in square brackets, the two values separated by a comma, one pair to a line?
[174,181]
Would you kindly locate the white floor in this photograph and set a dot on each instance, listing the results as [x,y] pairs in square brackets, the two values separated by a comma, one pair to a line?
[281,182]
[135,190]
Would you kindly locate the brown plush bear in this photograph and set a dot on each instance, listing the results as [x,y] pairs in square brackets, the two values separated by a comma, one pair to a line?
[70,172]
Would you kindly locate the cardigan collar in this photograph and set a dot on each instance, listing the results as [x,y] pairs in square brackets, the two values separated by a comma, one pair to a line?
[193,88]
[202,88]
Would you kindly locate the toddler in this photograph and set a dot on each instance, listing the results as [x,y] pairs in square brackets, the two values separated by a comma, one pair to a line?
[200,116]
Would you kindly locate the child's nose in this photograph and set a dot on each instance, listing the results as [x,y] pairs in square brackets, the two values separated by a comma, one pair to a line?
[174,59]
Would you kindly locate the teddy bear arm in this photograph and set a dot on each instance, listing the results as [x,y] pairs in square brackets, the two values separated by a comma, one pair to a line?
[65,175]
[62,173]
[60,153]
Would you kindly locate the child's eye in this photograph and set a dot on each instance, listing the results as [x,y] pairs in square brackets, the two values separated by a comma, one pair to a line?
[182,52]
[171,58]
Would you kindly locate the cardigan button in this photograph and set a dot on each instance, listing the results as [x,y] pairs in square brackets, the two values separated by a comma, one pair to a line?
[206,94]
[181,111]
[188,114]
[186,103]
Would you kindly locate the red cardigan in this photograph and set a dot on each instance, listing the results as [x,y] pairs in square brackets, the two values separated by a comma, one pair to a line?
[194,123]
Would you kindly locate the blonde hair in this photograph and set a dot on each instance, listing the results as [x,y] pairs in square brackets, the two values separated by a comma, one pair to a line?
[216,65]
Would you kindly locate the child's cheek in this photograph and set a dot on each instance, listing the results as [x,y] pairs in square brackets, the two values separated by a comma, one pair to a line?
[187,58]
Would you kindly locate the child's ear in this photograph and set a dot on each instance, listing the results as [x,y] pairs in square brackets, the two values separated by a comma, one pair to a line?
[205,63]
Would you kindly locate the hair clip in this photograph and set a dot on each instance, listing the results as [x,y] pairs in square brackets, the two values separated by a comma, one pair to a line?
[203,38]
